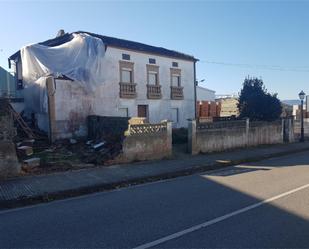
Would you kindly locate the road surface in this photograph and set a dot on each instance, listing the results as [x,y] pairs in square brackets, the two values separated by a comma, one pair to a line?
[264,204]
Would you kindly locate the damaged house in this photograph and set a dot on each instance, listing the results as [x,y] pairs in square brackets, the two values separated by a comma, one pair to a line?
[68,78]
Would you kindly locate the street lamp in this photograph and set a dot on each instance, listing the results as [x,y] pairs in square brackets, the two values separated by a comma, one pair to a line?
[302,97]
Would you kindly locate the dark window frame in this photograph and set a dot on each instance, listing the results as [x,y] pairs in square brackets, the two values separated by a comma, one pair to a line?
[152,61]
[126,57]
[175,64]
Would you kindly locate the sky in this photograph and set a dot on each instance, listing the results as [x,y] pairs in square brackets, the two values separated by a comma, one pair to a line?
[232,39]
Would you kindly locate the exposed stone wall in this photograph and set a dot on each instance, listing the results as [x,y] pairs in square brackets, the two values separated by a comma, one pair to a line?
[220,136]
[9,165]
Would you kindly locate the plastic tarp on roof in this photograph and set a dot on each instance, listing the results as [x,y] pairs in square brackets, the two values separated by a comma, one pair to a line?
[79,59]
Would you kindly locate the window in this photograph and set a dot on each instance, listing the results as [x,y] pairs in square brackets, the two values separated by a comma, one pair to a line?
[152,61]
[152,75]
[175,77]
[126,75]
[175,64]
[152,78]
[126,57]
[176,80]
[126,69]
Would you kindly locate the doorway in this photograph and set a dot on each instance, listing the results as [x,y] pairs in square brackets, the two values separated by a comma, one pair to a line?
[142,111]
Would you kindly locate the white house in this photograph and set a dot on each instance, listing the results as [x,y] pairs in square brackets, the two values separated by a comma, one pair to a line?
[205,94]
[125,78]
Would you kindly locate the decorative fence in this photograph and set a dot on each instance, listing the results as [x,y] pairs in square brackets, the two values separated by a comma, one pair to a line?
[224,135]
[147,129]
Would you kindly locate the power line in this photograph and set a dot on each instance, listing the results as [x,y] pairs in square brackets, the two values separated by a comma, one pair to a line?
[261,67]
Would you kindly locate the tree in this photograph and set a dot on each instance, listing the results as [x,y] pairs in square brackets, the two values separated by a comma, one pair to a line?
[256,103]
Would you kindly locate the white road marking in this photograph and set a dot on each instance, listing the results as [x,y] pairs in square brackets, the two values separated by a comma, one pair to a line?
[218,219]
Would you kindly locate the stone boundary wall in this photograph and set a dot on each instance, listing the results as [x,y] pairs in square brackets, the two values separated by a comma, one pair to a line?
[221,136]
[297,126]
[146,142]
[9,165]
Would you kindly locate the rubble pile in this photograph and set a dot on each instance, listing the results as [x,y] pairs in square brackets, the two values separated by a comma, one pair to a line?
[104,143]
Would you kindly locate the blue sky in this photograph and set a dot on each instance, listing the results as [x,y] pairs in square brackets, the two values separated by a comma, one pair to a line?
[246,33]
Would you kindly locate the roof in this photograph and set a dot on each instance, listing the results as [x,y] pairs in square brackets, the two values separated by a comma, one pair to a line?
[204,88]
[116,42]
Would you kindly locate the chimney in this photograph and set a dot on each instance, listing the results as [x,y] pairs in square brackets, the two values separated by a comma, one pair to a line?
[60,33]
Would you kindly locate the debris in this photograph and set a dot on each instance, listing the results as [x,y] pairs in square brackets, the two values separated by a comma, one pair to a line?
[31,163]
[25,150]
[73,141]
[99,145]
[28,142]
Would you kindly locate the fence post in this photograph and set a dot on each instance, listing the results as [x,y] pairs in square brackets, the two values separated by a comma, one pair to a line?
[247,130]
[192,146]
[288,131]
[283,123]
[169,135]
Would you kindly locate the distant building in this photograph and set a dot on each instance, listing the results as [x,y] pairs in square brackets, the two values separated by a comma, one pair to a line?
[296,109]
[228,104]
[205,94]
[7,84]
[206,106]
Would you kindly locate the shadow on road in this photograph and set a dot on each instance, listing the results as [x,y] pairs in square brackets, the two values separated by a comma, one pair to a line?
[133,216]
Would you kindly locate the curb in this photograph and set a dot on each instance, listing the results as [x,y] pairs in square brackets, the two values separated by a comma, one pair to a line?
[48,197]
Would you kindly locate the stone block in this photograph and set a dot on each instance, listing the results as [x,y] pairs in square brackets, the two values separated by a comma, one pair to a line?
[31,163]
[25,150]
[9,165]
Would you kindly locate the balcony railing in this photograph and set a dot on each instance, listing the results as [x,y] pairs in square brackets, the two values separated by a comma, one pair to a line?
[127,90]
[176,92]
[154,92]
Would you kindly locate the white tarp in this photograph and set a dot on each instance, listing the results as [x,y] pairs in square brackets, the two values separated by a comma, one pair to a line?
[79,59]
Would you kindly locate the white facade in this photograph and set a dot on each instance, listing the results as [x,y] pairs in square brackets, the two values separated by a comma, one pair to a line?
[159,109]
[73,104]
[205,94]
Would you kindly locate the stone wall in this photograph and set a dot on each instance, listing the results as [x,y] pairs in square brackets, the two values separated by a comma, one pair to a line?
[147,142]
[297,128]
[221,136]
[9,165]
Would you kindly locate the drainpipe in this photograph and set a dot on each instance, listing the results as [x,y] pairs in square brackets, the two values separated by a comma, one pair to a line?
[194,68]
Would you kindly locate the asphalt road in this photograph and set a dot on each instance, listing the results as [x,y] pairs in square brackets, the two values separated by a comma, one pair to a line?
[265,204]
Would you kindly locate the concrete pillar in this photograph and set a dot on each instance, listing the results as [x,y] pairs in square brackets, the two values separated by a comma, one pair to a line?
[288,135]
[247,131]
[282,130]
[169,136]
[51,90]
[192,143]
[9,165]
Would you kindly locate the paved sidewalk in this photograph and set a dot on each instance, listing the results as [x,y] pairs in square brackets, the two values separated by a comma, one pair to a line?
[29,189]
